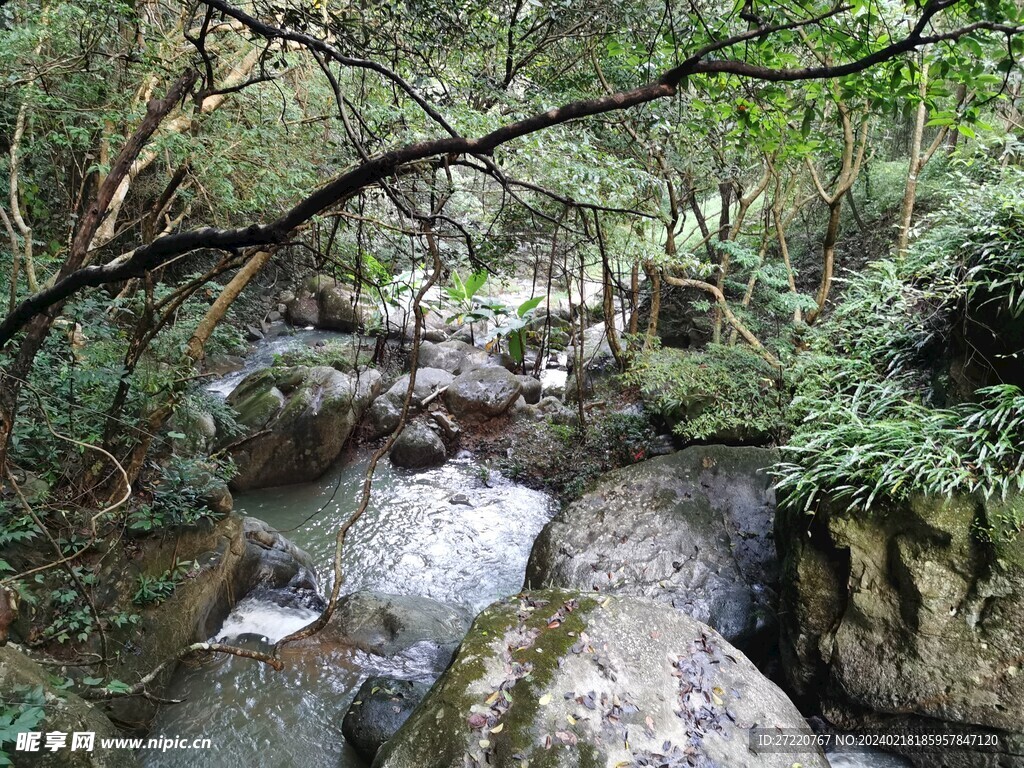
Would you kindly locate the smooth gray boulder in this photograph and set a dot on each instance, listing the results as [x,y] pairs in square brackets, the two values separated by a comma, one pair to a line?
[381,706]
[303,312]
[340,309]
[453,356]
[571,679]
[418,447]
[482,393]
[531,389]
[297,421]
[692,529]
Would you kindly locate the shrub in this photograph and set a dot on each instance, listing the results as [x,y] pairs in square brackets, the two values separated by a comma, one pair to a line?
[877,444]
[723,392]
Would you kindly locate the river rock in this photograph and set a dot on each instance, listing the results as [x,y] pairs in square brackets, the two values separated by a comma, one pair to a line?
[418,447]
[303,312]
[295,437]
[62,711]
[453,356]
[193,613]
[340,309]
[383,416]
[381,706]
[570,679]
[692,529]
[483,392]
[273,561]
[909,615]
[392,625]
[531,388]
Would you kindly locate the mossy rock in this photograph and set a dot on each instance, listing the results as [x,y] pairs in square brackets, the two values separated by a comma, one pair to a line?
[299,419]
[913,609]
[556,679]
[62,711]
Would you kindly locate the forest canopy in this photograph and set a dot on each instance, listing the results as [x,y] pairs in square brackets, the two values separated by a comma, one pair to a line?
[806,216]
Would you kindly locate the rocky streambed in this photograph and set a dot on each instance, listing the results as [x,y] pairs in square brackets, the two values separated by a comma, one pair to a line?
[644,604]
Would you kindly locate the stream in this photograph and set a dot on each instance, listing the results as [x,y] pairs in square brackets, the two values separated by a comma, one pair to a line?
[459,534]
[412,540]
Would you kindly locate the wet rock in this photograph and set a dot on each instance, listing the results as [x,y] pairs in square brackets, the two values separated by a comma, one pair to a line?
[484,392]
[692,529]
[383,416]
[909,612]
[390,625]
[381,706]
[273,561]
[531,389]
[298,420]
[252,333]
[221,365]
[63,711]
[418,447]
[569,679]
[193,613]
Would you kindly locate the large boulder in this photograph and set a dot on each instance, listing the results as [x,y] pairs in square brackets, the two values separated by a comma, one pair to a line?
[273,562]
[392,625]
[576,680]
[531,389]
[908,616]
[22,679]
[692,529]
[340,309]
[191,614]
[482,393]
[383,416]
[453,356]
[298,420]
[418,447]
[303,311]
[381,706]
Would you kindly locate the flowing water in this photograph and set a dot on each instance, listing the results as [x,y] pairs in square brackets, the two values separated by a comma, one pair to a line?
[459,533]
[412,540]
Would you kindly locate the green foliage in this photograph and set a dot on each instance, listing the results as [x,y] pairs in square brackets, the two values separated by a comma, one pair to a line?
[23,711]
[870,428]
[876,444]
[15,528]
[897,315]
[723,392]
[177,499]
[510,323]
[155,589]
